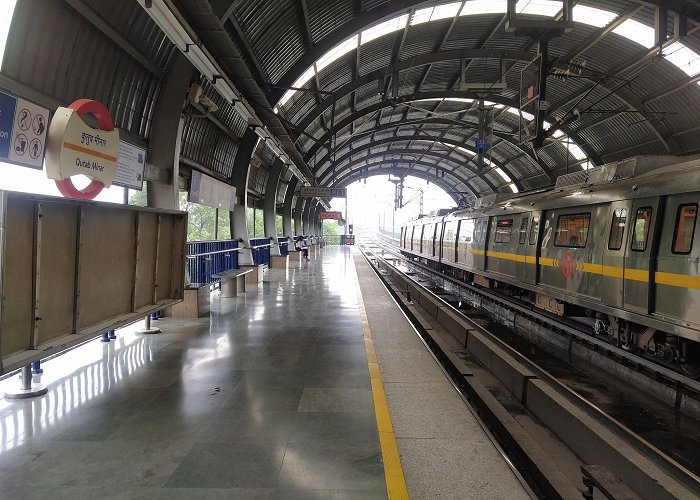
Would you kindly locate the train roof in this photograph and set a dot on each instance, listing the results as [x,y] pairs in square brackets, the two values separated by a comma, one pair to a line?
[635,177]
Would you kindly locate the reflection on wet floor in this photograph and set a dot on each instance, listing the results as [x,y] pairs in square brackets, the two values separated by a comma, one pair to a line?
[268,397]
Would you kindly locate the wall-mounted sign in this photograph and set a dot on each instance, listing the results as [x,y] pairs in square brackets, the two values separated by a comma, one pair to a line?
[132,160]
[23,128]
[322,192]
[208,191]
[331,215]
[75,148]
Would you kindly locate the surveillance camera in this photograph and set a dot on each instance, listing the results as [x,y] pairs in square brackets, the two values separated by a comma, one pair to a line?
[208,103]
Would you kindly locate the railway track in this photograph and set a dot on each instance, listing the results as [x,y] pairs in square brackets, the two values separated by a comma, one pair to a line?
[610,454]
[667,384]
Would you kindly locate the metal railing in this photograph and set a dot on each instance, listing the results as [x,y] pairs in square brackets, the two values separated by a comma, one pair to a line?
[260,247]
[284,243]
[205,258]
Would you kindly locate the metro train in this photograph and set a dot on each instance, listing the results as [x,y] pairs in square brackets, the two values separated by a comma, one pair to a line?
[615,244]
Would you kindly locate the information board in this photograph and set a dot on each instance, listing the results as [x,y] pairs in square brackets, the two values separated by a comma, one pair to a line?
[132,160]
[322,192]
[210,192]
[23,128]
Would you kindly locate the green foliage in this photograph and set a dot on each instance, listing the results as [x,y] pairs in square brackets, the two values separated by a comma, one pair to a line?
[256,227]
[279,225]
[139,198]
[331,228]
[201,219]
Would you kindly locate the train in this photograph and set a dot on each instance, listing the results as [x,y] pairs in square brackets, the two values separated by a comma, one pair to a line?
[614,244]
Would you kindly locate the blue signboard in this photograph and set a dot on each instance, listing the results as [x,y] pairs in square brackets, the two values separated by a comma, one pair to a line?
[8,104]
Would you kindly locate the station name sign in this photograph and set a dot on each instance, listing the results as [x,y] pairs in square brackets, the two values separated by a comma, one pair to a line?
[76,148]
[322,192]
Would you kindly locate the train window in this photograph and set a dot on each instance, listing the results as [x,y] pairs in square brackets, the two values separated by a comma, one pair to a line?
[503,229]
[466,231]
[642,221]
[617,229]
[685,228]
[523,231]
[572,230]
[534,229]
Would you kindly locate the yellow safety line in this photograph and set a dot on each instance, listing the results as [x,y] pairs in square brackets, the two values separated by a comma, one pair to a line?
[393,472]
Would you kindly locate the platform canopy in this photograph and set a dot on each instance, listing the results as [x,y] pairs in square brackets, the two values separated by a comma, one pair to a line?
[344,89]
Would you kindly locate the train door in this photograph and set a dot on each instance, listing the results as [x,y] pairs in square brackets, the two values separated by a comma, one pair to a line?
[526,248]
[677,294]
[639,254]
[612,284]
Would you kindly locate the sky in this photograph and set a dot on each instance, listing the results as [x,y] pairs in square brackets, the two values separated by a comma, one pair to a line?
[29,180]
[372,203]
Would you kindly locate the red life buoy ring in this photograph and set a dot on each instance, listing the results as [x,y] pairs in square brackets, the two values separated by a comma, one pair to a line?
[104,121]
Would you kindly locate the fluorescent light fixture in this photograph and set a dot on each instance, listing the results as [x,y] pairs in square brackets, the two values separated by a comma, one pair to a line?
[476,7]
[686,59]
[384,28]
[168,23]
[637,32]
[336,52]
[592,16]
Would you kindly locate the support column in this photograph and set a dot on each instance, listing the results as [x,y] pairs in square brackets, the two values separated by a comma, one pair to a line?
[270,206]
[287,229]
[298,215]
[164,143]
[306,215]
[316,221]
[239,179]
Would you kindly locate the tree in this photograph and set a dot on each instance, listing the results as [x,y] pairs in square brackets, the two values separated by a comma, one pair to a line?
[201,219]
[279,225]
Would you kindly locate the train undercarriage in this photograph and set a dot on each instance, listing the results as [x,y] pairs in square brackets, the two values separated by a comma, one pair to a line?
[665,348]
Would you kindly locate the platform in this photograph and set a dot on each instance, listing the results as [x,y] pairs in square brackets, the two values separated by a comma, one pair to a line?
[270,397]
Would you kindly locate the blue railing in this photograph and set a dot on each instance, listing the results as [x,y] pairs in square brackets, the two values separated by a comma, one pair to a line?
[284,245]
[205,258]
[260,247]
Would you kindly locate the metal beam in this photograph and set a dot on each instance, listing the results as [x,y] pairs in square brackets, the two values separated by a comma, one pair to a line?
[107,29]
[407,167]
[504,136]
[373,76]
[428,138]
[455,163]
[357,175]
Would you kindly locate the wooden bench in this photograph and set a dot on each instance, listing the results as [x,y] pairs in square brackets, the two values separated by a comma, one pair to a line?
[233,281]
[195,302]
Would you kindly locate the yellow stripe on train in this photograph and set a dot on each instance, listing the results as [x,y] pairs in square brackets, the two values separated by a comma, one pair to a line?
[661,278]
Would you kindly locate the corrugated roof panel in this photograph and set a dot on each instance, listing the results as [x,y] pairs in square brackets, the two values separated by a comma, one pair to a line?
[327,15]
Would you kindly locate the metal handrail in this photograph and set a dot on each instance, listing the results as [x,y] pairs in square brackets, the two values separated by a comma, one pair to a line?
[260,246]
[204,254]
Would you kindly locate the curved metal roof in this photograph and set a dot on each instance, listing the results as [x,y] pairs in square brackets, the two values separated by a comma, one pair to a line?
[380,81]
[388,95]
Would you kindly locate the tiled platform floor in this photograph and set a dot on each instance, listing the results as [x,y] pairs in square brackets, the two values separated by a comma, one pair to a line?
[269,398]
